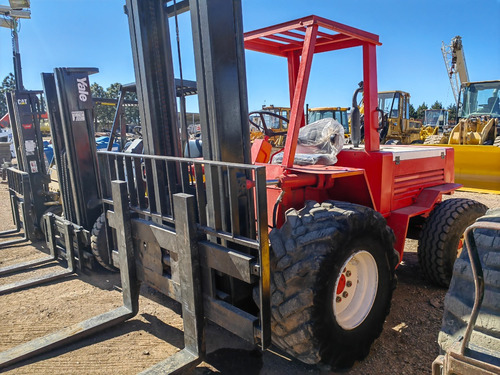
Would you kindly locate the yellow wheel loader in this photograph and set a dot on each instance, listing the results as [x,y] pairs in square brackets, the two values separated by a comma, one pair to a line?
[475,138]
[341,114]
[435,129]
[479,114]
[270,120]
[400,128]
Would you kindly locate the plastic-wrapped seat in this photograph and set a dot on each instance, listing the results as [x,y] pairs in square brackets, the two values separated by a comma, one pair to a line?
[318,143]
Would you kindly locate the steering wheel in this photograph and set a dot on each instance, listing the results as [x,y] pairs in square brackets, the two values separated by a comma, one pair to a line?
[383,124]
[263,126]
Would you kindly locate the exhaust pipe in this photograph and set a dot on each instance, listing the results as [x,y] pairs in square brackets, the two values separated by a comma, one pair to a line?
[356,117]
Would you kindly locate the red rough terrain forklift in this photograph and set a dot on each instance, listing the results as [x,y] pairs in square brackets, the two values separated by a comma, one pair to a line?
[331,232]
[304,255]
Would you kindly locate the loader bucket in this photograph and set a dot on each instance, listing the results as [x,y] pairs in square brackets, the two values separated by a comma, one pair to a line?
[477,167]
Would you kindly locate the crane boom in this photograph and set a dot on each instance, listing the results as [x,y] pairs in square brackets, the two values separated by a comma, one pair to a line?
[454,60]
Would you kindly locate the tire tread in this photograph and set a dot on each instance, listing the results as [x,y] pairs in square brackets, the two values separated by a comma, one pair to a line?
[298,250]
[437,232]
[98,241]
[460,297]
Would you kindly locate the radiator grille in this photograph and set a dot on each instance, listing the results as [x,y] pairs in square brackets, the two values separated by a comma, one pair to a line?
[410,185]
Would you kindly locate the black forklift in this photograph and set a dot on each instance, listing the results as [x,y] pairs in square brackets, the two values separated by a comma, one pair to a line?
[180,223]
[62,216]
[71,219]
[28,183]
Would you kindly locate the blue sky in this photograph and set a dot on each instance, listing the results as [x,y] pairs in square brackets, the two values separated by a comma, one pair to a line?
[94,33]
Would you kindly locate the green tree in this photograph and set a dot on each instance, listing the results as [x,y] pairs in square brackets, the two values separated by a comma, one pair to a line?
[105,113]
[8,83]
[132,111]
[113,91]
[412,111]
[452,116]
[437,105]
[421,111]
[100,112]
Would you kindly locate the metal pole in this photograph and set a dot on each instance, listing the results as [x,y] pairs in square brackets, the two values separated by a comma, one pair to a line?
[16,56]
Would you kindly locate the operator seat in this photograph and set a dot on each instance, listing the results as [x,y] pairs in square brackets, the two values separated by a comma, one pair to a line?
[489,107]
[494,104]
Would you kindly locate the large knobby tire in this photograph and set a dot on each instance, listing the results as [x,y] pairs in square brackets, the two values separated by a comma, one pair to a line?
[496,143]
[321,252]
[459,300]
[441,239]
[56,210]
[99,243]
[436,139]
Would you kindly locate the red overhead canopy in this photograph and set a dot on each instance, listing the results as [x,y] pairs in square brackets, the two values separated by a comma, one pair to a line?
[289,36]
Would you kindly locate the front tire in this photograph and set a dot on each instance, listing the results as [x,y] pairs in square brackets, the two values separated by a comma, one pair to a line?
[99,244]
[441,241]
[318,252]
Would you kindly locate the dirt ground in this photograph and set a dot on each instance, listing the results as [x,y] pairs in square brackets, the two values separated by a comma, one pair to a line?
[408,344]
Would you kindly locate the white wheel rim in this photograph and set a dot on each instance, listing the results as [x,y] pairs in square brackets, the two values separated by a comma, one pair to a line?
[355,290]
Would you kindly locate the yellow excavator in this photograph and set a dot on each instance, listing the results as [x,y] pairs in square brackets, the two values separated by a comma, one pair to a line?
[476,139]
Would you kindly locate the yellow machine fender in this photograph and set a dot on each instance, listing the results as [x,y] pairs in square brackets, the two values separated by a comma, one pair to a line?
[478,167]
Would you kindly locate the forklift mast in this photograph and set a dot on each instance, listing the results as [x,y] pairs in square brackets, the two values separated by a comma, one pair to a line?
[154,75]
[221,81]
[221,78]
[221,84]
[70,109]
[25,109]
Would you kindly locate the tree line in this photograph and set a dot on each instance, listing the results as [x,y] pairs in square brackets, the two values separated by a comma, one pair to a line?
[103,114]
[8,84]
[419,113]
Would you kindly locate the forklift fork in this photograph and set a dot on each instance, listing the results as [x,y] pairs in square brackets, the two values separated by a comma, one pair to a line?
[130,291]
[20,200]
[54,254]
[192,306]
[20,193]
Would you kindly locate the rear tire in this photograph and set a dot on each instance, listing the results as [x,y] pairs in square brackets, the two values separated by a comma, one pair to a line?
[311,256]
[99,243]
[441,237]
[459,300]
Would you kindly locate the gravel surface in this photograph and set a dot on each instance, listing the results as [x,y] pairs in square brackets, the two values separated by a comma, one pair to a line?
[408,344]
